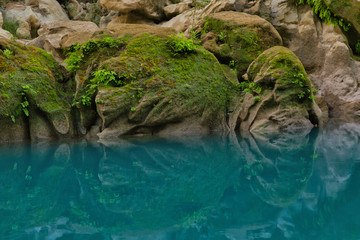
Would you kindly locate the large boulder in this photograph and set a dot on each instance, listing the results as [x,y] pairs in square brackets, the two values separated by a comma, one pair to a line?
[146,87]
[325,53]
[284,100]
[238,38]
[33,104]
[5,34]
[152,9]
[51,34]
[31,14]
[120,29]
[195,17]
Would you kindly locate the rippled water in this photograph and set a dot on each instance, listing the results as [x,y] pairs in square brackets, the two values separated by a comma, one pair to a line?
[286,187]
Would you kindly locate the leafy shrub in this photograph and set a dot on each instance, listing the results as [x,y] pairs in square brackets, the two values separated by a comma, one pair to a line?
[324,13]
[250,87]
[101,78]
[180,44]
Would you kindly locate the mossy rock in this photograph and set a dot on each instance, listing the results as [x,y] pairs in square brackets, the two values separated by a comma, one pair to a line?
[159,88]
[286,99]
[30,85]
[349,10]
[237,39]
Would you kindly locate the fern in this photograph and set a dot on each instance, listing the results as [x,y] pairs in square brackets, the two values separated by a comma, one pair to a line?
[324,13]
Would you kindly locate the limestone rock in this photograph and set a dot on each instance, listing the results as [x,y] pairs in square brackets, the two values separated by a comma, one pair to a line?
[32,14]
[152,9]
[50,34]
[194,17]
[32,102]
[120,29]
[237,39]
[326,56]
[159,93]
[285,100]
[348,10]
[175,9]
[5,34]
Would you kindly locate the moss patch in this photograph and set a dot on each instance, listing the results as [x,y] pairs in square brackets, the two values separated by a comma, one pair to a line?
[185,84]
[279,68]
[236,40]
[32,73]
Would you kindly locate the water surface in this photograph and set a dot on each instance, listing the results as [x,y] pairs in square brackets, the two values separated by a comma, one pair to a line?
[302,186]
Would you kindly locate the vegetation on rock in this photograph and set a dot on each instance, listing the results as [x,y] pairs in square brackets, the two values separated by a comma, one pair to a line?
[30,82]
[320,8]
[235,40]
[152,78]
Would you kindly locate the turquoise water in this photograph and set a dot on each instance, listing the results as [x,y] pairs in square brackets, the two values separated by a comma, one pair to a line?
[301,186]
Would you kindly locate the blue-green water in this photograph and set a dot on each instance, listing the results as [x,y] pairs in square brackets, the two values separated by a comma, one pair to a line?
[302,186]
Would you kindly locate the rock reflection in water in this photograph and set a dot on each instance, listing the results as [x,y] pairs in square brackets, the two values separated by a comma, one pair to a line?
[285,187]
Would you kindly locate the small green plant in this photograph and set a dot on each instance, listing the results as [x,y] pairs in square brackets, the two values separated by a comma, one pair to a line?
[324,13]
[357,48]
[8,53]
[180,44]
[232,64]
[250,87]
[100,78]
[77,52]
[221,37]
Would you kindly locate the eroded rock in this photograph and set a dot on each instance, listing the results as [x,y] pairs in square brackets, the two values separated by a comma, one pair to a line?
[32,14]
[152,9]
[33,103]
[50,35]
[237,39]
[285,99]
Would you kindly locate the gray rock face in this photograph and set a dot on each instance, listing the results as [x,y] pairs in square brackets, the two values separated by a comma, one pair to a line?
[325,53]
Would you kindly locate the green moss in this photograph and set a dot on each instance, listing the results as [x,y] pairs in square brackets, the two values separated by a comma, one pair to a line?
[30,74]
[322,10]
[287,73]
[148,68]
[233,45]
[10,26]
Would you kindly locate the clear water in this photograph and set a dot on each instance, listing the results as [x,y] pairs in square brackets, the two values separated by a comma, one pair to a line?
[220,188]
